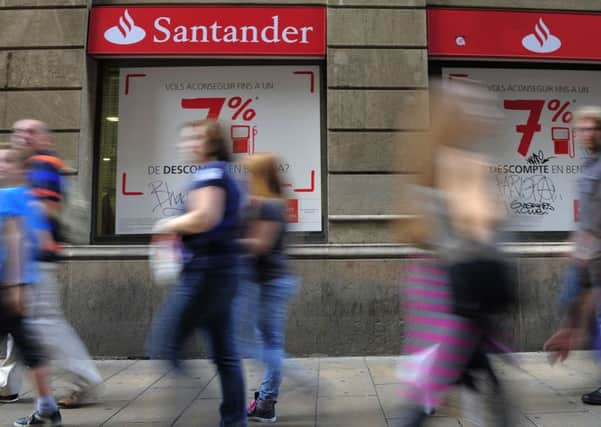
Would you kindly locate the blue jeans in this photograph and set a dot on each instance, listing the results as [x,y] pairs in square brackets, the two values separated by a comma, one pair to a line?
[203,300]
[262,313]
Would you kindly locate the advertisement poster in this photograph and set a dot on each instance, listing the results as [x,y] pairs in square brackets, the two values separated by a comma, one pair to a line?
[536,160]
[263,109]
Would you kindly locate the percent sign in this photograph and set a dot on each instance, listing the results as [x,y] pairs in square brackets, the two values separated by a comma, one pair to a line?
[215,107]
[560,110]
[241,107]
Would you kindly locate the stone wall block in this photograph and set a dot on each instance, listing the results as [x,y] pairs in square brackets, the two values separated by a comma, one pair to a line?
[3,69]
[67,146]
[368,194]
[60,109]
[377,109]
[585,5]
[42,27]
[374,152]
[362,232]
[3,102]
[540,284]
[377,3]
[378,67]
[45,68]
[376,27]
[111,305]
[45,3]
[358,309]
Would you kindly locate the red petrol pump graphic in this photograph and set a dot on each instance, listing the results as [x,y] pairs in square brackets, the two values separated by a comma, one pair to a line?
[562,141]
[243,139]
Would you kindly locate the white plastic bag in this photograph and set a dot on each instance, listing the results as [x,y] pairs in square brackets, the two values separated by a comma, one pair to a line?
[165,259]
[415,370]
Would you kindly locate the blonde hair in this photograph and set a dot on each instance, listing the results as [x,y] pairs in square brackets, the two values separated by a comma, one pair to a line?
[263,176]
[589,112]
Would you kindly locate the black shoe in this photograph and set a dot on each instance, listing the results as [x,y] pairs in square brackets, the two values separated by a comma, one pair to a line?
[9,399]
[412,417]
[592,398]
[37,419]
[261,410]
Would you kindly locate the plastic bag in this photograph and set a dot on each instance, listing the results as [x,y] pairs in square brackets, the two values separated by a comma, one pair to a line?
[165,259]
[415,370]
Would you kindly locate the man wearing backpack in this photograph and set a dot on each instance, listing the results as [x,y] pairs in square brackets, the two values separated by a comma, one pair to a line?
[61,341]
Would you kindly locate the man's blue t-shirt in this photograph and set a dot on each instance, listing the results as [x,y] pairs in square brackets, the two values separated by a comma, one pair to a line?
[18,202]
[221,240]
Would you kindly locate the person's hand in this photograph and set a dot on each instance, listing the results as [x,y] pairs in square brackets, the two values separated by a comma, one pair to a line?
[162,226]
[559,345]
[578,339]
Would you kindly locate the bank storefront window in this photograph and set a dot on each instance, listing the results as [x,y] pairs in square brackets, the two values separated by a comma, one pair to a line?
[539,81]
[140,178]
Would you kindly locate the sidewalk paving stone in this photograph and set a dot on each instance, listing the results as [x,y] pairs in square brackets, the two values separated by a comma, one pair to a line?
[321,392]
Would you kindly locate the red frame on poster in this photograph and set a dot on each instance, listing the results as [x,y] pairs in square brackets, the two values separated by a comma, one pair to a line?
[207,30]
[480,33]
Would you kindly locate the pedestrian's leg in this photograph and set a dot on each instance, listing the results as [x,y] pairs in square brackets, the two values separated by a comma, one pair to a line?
[246,314]
[11,372]
[180,315]
[221,329]
[63,343]
[273,310]
[27,343]
[227,360]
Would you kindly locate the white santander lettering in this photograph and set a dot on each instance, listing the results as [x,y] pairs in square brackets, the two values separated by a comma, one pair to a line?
[253,30]
[162,29]
[216,33]
[181,34]
[194,33]
[290,31]
[304,31]
[273,29]
[231,34]
[214,29]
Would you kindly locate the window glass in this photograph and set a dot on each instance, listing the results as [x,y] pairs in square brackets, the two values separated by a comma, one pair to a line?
[263,108]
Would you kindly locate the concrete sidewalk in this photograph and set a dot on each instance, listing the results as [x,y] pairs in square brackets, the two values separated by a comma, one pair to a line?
[350,392]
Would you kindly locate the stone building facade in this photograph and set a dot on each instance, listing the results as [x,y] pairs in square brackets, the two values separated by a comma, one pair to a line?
[376,64]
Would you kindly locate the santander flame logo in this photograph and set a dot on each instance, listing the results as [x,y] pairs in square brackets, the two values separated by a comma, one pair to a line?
[542,41]
[127,32]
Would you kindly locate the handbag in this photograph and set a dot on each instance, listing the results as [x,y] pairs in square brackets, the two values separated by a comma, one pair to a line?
[482,285]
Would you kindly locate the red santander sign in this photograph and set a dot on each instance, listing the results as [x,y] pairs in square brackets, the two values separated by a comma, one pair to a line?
[207,30]
[475,33]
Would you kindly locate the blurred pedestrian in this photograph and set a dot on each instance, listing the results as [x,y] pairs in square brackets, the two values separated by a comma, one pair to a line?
[204,294]
[581,296]
[451,294]
[264,297]
[58,337]
[24,229]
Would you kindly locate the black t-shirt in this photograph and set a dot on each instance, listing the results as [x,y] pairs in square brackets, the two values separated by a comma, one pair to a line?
[273,264]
